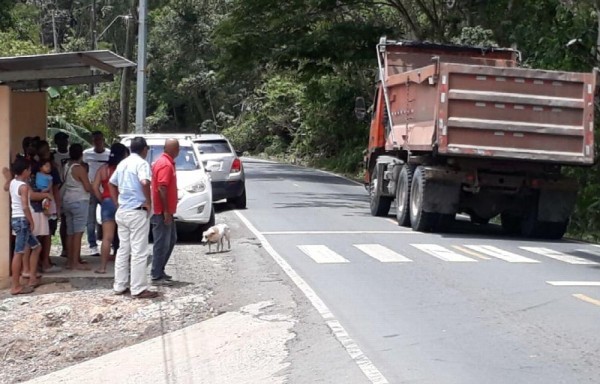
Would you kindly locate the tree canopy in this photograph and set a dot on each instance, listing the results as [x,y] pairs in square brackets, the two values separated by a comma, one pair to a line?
[280,77]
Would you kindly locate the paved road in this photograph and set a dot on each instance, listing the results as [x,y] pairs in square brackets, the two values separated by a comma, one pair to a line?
[470,306]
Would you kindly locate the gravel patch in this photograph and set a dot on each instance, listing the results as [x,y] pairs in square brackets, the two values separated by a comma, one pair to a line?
[67,323]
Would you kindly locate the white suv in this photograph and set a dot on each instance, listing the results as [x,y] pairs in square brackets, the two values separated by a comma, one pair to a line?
[194,190]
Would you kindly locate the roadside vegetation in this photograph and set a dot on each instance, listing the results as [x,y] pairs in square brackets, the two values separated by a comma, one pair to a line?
[279,78]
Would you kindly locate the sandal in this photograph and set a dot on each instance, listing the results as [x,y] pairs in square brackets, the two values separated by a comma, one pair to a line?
[99,271]
[146,294]
[27,276]
[25,289]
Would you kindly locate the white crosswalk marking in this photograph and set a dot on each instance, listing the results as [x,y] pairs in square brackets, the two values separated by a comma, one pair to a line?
[501,254]
[381,253]
[442,253]
[590,252]
[558,255]
[322,254]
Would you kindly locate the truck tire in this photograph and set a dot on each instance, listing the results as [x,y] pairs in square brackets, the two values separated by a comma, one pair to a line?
[533,228]
[380,205]
[403,195]
[511,224]
[554,230]
[420,221]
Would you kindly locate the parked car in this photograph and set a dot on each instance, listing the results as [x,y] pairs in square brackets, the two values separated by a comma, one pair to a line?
[194,190]
[225,167]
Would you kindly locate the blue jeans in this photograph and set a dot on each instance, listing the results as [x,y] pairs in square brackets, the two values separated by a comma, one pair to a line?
[23,235]
[108,210]
[91,222]
[165,237]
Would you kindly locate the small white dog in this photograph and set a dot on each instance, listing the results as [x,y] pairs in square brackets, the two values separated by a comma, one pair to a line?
[217,234]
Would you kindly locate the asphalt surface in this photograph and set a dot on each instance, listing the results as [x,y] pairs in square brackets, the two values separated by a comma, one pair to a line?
[469,306]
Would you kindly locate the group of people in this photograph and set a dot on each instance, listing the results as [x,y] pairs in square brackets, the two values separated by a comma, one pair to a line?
[66,186]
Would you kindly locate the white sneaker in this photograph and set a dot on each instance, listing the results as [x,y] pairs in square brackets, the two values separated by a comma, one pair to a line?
[94,251]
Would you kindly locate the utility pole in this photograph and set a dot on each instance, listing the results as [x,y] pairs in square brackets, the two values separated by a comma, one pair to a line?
[140,105]
[127,73]
[93,34]
[54,34]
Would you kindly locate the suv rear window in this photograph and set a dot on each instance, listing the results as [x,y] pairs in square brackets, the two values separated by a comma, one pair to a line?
[186,161]
[215,146]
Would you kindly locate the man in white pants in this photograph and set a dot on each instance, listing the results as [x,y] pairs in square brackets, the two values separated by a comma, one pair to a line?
[130,189]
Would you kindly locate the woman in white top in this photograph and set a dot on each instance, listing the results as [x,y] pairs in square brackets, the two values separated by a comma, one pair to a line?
[75,194]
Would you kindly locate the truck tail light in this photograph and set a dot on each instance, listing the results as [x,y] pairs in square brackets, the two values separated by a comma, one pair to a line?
[236,166]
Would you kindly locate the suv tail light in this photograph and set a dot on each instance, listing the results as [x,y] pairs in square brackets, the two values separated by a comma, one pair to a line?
[236,166]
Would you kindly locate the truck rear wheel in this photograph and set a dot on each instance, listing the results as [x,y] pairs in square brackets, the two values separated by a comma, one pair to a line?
[420,220]
[554,230]
[380,205]
[511,224]
[403,195]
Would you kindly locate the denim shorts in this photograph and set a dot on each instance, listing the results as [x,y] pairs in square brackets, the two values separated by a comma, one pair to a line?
[23,235]
[108,210]
[76,215]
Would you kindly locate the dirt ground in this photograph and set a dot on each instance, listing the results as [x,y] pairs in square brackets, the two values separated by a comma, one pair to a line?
[65,323]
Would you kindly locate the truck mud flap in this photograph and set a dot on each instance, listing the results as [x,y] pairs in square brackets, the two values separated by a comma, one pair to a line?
[442,197]
[443,194]
[556,205]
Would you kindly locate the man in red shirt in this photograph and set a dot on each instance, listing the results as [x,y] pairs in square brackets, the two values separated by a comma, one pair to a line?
[164,198]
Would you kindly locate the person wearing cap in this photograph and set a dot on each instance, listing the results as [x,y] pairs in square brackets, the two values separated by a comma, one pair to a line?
[108,209]
[129,188]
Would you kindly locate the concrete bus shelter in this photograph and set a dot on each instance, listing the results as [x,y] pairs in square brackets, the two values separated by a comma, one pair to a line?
[24,108]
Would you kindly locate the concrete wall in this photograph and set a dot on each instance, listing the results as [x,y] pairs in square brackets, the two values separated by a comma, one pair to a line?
[28,117]
[21,114]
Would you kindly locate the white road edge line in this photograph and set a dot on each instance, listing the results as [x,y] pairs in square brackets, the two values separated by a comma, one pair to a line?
[340,233]
[574,283]
[364,363]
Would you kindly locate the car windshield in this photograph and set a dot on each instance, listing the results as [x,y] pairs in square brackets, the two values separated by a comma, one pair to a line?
[216,146]
[186,161]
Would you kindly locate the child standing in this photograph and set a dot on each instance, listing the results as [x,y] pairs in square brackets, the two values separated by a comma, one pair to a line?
[22,225]
[43,183]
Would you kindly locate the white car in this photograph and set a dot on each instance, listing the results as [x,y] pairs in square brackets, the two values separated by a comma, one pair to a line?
[194,190]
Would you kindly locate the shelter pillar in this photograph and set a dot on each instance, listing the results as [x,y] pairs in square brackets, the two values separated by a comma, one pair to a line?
[5,120]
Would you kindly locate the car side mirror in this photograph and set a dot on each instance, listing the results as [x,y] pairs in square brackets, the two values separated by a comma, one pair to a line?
[360,109]
[239,153]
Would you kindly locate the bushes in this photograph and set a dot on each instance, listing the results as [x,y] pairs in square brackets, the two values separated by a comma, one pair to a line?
[312,121]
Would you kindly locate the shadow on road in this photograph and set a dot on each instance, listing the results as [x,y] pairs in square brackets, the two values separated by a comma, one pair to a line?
[271,172]
[350,201]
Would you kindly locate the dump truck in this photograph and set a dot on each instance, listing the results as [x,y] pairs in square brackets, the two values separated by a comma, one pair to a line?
[462,129]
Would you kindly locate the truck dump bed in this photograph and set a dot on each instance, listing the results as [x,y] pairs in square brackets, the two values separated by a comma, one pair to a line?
[469,102]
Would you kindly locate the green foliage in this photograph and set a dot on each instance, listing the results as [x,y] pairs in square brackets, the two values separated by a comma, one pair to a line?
[76,133]
[11,45]
[476,36]
[280,77]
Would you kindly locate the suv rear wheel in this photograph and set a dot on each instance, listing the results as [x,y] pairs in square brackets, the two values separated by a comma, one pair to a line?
[240,201]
